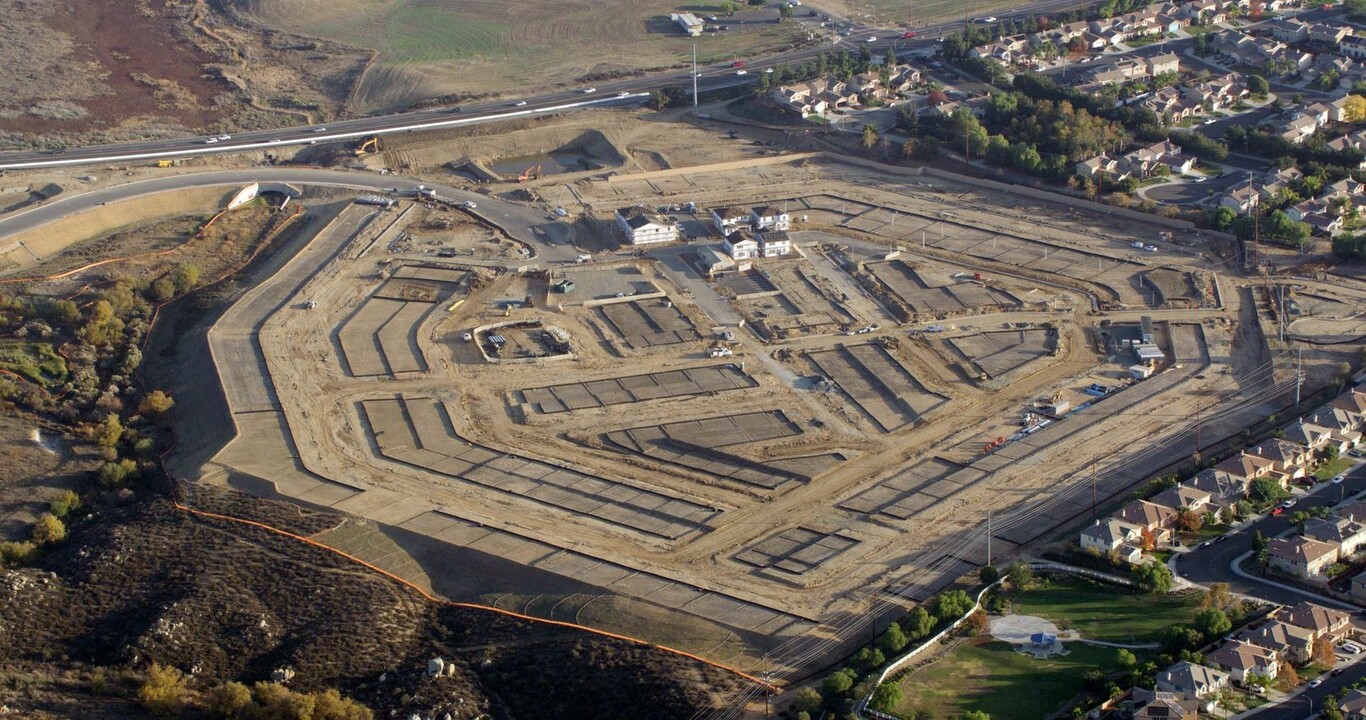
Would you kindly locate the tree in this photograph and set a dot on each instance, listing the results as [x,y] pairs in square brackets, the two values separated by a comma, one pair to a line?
[1258,86]
[229,700]
[108,431]
[1287,678]
[988,574]
[838,682]
[887,696]
[952,604]
[1265,491]
[162,290]
[1217,597]
[893,640]
[102,326]
[1350,248]
[163,690]
[975,715]
[1330,453]
[1212,623]
[1189,520]
[1222,218]
[1323,653]
[1354,108]
[117,472]
[1153,577]
[977,624]
[1259,541]
[48,529]
[806,700]
[870,135]
[156,403]
[1021,574]
[1356,9]
[63,503]
[1125,659]
[918,624]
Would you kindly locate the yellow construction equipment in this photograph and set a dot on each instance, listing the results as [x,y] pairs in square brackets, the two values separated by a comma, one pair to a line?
[165,163]
[368,145]
[532,173]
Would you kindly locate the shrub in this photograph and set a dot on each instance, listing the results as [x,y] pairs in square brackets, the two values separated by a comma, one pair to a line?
[229,700]
[64,502]
[163,690]
[48,529]
[156,403]
[14,554]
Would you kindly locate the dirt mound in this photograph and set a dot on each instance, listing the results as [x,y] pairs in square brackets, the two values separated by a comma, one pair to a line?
[225,601]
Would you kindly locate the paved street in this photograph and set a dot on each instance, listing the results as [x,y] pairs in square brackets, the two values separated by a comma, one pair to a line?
[1212,563]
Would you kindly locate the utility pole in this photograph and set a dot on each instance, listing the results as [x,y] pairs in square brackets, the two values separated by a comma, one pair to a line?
[1197,429]
[1094,514]
[1299,377]
[694,76]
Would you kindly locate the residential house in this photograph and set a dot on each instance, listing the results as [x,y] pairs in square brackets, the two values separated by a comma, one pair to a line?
[1102,165]
[816,97]
[1279,180]
[1225,489]
[1290,31]
[740,245]
[729,219]
[1353,402]
[1358,588]
[1245,465]
[1184,496]
[1286,457]
[1318,214]
[1241,199]
[1165,706]
[1301,556]
[1353,46]
[1324,622]
[1298,128]
[1328,34]
[1243,660]
[1153,519]
[1340,423]
[643,226]
[1206,11]
[1355,511]
[1347,534]
[1192,682]
[769,217]
[1353,705]
[1321,112]
[1109,535]
[774,243]
[1293,642]
[1314,437]
[1338,109]
[1158,64]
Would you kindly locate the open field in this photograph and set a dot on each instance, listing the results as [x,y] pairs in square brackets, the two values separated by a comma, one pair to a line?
[1102,612]
[428,49]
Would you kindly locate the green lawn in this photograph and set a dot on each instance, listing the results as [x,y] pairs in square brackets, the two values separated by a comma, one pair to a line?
[1333,469]
[990,676]
[1101,612]
[35,361]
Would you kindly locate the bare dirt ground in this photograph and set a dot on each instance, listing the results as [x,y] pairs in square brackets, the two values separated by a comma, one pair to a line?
[123,70]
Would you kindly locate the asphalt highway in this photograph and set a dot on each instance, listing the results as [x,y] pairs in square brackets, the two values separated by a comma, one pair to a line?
[620,92]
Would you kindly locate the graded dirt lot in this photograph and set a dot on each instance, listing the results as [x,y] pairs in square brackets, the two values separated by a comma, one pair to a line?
[772,490]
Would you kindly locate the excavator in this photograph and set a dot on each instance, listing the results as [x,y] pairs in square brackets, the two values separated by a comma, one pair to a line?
[532,173]
[367,146]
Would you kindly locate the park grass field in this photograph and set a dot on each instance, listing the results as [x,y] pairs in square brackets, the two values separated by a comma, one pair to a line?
[431,48]
[988,675]
[1102,612]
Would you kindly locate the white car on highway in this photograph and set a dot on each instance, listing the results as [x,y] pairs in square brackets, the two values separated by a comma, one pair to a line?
[224,137]
[588,91]
[870,38]
[519,103]
[623,93]
[210,141]
[741,72]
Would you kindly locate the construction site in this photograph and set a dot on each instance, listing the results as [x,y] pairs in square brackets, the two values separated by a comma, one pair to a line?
[764,459]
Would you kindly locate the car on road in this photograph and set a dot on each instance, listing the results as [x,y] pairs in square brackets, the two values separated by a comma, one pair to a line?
[210,141]
[1315,682]
[741,72]
[1277,510]
[274,140]
[623,93]
[468,205]
[519,103]
[984,20]
[908,35]
[1289,503]
[224,137]
[1338,480]
[870,39]
[589,90]
[738,64]
[455,110]
[768,71]
[319,129]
